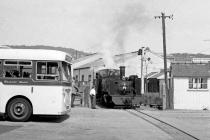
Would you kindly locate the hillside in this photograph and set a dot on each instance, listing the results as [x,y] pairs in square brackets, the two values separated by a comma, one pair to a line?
[74,53]
[78,54]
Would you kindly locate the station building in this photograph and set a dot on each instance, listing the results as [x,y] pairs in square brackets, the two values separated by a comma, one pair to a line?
[191,85]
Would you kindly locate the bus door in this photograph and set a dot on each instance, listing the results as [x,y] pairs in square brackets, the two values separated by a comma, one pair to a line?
[47,87]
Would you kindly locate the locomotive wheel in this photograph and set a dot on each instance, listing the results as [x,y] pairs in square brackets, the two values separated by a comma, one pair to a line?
[111,105]
[108,101]
[19,109]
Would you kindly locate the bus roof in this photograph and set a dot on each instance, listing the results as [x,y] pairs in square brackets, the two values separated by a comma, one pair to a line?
[34,54]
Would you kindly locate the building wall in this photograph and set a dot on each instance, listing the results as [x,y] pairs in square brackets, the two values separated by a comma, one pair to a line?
[84,72]
[185,98]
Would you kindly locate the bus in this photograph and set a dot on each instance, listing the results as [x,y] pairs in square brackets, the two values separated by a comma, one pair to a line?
[34,82]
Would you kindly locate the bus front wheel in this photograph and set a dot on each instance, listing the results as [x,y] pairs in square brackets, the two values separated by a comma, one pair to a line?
[19,109]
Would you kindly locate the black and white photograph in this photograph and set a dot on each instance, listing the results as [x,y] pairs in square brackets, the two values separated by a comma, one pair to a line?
[104,70]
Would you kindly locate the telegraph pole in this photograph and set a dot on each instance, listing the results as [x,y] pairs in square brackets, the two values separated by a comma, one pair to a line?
[163,17]
[142,71]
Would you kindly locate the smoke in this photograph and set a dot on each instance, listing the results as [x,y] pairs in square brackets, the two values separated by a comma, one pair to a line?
[126,21]
[132,17]
[108,52]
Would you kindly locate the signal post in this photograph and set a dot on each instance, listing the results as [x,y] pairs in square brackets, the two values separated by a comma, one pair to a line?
[141,52]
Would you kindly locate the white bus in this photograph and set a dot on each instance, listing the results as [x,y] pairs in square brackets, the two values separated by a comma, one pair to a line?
[34,81]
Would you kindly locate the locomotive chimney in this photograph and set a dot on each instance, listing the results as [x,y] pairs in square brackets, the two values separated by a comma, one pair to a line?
[122,72]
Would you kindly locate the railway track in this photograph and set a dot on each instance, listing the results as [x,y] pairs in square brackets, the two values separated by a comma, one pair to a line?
[173,131]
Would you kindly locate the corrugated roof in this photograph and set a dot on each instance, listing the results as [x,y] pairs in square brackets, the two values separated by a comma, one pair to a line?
[191,70]
[157,75]
[96,63]
[151,74]
[83,58]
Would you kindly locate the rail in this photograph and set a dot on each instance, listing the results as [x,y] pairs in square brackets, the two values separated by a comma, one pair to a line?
[173,131]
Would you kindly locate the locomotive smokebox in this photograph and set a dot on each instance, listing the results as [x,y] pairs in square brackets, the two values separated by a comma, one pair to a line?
[122,72]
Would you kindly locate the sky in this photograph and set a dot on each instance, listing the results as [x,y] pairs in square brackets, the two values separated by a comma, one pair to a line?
[116,26]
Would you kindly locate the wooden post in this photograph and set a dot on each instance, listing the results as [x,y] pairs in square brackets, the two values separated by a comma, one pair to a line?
[142,71]
[164,96]
[85,96]
[163,17]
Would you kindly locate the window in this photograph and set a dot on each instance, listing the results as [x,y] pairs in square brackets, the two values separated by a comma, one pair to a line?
[89,77]
[41,67]
[1,68]
[17,69]
[11,62]
[83,77]
[47,71]
[197,83]
[76,79]
[66,71]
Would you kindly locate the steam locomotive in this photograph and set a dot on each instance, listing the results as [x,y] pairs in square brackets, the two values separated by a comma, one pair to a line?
[114,89]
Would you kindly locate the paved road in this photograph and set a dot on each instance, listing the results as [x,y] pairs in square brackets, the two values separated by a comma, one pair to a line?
[107,124]
[84,124]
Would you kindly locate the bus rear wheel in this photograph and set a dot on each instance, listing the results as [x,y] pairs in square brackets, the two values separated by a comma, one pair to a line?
[19,109]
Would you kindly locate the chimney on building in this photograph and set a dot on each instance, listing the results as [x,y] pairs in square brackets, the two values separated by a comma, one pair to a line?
[122,72]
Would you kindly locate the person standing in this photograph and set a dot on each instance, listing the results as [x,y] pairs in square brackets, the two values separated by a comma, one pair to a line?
[93,97]
[75,90]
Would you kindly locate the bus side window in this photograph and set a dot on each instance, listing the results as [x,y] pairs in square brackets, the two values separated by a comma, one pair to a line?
[26,75]
[47,71]
[8,74]
[16,73]
[17,69]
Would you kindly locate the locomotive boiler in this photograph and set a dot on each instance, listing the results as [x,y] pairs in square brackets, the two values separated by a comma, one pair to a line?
[114,89]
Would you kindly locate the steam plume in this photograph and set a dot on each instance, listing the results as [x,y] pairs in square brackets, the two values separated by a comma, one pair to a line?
[127,20]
